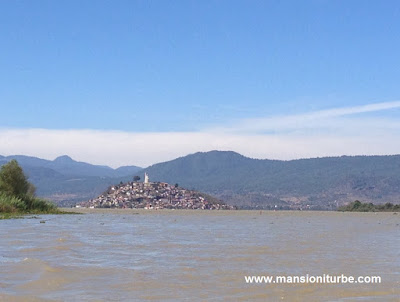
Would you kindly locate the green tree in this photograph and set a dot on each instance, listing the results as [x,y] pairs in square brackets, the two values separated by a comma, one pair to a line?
[356,204]
[136,178]
[13,180]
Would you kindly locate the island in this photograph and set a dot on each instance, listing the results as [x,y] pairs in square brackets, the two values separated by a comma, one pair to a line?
[154,195]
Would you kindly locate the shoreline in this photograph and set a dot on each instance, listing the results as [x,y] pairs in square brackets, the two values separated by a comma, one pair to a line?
[213,212]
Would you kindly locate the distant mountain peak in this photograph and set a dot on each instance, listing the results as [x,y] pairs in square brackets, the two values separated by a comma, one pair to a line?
[63,159]
[216,153]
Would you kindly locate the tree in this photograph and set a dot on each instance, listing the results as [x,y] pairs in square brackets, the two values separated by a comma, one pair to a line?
[176,185]
[356,204]
[13,180]
[136,178]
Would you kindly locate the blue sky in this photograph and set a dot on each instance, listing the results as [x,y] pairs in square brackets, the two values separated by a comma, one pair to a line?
[157,75]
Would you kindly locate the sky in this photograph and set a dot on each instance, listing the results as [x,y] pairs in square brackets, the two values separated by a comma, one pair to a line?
[141,82]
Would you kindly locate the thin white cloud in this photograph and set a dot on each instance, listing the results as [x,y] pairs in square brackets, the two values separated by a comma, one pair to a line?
[331,132]
[354,110]
[335,118]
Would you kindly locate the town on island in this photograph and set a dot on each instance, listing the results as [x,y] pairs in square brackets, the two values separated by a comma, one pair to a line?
[154,195]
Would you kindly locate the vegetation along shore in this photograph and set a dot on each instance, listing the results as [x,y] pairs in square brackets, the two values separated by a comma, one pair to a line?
[17,195]
[358,206]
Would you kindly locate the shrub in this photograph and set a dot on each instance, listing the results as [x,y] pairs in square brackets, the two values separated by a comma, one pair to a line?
[39,204]
[11,204]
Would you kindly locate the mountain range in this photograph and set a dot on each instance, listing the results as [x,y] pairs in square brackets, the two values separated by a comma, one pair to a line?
[67,181]
[317,183]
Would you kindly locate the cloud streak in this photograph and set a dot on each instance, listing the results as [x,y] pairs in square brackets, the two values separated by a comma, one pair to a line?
[333,132]
[331,119]
[354,110]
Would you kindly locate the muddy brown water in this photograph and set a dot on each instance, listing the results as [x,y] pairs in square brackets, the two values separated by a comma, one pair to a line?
[131,255]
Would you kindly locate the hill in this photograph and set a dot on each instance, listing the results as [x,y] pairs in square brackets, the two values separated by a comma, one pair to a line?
[317,183]
[66,181]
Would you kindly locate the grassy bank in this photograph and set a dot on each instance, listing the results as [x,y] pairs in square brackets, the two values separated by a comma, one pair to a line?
[12,206]
[358,206]
[9,215]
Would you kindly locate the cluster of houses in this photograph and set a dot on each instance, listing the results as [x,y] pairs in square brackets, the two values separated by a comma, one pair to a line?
[153,195]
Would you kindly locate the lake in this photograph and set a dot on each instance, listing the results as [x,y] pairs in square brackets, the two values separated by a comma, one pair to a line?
[138,255]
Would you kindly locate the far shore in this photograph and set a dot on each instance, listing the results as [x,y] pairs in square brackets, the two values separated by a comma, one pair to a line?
[212,212]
